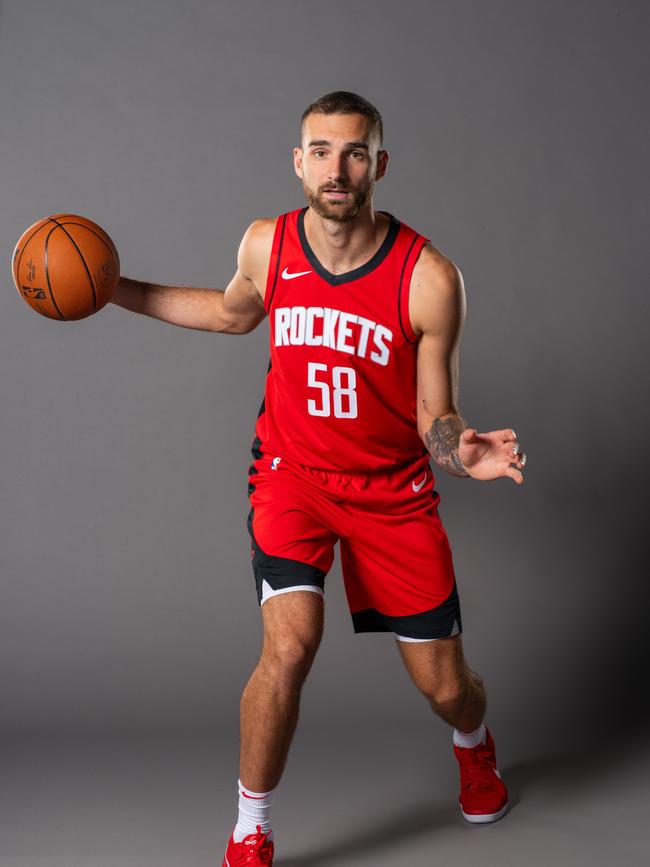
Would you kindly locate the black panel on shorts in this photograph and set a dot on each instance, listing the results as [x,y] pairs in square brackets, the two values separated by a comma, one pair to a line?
[280,572]
[436,623]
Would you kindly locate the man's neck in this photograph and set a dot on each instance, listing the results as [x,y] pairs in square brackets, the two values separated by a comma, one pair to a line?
[342,247]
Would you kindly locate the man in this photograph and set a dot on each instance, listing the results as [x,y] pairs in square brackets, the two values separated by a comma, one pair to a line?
[361,392]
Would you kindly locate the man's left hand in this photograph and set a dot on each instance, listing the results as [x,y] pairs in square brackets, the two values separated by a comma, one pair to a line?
[491,455]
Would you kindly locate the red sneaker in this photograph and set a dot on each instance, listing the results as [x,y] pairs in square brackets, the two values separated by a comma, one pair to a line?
[255,849]
[483,795]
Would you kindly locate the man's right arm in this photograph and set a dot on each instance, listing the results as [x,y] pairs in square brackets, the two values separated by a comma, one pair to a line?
[236,310]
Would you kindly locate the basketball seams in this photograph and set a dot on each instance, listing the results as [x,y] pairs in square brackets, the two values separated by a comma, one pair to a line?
[47,271]
[81,256]
[108,244]
[24,247]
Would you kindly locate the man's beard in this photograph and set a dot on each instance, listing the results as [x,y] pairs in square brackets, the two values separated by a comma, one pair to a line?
[339,211]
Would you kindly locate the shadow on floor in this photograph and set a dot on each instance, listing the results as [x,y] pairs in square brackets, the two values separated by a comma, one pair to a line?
[562,772]
[388,831]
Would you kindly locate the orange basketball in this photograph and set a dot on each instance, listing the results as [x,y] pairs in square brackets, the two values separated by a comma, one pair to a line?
[66,267]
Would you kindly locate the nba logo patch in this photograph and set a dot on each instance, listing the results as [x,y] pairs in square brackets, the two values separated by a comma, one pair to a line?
[275,462]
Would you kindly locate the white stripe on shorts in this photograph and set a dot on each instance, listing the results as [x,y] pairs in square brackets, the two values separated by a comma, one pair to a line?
[268,592]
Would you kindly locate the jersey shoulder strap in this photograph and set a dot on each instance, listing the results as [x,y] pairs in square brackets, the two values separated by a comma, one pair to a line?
[408,246]
[282,227]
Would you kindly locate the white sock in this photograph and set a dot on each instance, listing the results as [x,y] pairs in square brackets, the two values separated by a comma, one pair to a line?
[470,739]
[254,810]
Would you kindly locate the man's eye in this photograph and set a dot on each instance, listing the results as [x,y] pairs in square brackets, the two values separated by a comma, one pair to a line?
[319,153]
[358,154]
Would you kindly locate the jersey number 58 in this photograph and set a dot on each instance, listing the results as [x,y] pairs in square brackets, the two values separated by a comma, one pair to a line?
[341,394]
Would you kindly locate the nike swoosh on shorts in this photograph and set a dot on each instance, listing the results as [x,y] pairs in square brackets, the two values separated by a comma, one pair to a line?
[420,485]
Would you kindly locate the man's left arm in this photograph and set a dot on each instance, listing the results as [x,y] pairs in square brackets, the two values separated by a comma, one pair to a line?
[437,312]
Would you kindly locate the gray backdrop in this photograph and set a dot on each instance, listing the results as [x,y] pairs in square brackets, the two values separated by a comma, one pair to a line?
[518,140]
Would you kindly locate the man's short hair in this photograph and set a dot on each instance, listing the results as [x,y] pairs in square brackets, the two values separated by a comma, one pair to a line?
[345,102]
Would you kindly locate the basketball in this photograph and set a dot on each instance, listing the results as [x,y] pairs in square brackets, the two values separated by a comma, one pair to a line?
[65,267]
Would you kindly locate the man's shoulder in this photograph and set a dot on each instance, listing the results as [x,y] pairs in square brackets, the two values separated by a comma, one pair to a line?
[258,237]
[430,260]
[257,241]
[265,226]
[434,272]
[433,264]
[260,229]
[436,289]
[255,250]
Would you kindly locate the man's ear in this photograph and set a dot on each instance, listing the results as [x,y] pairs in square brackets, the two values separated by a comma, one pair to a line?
[297,161]
[382,164]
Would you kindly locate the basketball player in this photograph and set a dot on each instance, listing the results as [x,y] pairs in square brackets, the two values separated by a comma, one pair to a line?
[361,394]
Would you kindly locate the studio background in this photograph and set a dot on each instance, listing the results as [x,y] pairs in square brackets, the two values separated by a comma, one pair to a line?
[518,144]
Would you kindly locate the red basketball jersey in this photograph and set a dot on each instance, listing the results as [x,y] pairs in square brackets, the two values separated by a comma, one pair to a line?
[341,386]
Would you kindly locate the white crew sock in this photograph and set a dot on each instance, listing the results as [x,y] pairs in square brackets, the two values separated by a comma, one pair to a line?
[470,739]
[254,810]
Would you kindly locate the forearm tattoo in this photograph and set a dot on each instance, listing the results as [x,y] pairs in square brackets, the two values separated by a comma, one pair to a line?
[442,442]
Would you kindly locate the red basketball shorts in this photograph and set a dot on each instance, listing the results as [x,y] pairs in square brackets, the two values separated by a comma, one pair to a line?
[397,563]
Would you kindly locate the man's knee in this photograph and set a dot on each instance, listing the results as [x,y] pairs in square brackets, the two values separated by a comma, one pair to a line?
[290,655]
[293,626]
[451,693]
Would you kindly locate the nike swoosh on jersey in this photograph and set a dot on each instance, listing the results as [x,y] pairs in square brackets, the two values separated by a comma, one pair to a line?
[419,486]
[287,276]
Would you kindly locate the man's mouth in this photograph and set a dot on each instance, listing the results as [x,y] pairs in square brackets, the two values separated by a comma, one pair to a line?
[335,193]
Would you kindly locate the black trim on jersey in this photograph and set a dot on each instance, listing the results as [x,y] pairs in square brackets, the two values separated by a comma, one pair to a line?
[256,445]
[362,270]
[277,264]
[256,451]
[436,623]
[399,293]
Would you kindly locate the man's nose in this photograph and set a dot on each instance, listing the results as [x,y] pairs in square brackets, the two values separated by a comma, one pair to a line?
[336,168]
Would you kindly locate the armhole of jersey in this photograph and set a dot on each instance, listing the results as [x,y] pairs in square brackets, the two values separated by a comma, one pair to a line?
[274,262]
[405,287]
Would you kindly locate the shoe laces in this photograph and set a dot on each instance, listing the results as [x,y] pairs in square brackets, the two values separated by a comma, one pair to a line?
[256,849]
[477,770]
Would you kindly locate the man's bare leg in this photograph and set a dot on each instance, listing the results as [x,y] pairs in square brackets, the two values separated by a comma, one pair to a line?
[439,670]
[457,695]
[293,627]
